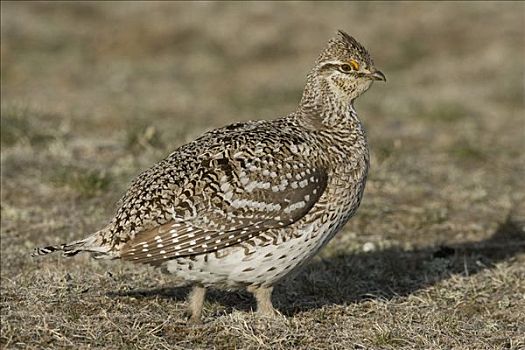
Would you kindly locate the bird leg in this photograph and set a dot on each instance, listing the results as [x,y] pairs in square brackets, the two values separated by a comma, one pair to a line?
[263,295]
[195,302]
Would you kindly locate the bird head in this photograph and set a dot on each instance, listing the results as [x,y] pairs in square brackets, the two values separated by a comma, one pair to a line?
[346,68]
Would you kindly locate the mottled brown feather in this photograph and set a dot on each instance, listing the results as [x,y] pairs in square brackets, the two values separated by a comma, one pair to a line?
[214,227]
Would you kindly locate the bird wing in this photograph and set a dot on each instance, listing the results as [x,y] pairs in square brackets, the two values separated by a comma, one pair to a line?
[231,199]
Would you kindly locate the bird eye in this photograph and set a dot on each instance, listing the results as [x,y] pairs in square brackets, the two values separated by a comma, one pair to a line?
[345,68]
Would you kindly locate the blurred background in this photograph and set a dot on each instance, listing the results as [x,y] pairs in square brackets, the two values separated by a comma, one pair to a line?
[94,92]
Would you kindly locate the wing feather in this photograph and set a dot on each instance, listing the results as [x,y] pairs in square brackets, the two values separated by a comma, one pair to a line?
[245,200]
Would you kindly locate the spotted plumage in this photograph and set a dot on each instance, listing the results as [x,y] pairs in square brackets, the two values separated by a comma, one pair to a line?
[247,204]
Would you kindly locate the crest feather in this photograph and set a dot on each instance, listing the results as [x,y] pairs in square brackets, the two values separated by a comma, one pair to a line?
[345,47]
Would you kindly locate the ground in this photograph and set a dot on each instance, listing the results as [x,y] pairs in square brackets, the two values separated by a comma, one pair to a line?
[93,93]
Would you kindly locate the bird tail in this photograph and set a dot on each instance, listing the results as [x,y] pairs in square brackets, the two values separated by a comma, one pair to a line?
[91,244]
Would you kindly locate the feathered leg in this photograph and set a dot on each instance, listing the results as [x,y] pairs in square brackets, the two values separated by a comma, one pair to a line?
[195,303]
[263,295]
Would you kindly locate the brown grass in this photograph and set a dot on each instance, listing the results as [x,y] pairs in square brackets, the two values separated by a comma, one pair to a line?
[92,93]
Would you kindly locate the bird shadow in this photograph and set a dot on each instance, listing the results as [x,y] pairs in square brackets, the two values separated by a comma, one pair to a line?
[354,277]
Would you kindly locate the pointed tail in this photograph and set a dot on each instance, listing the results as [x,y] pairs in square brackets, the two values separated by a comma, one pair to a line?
[90,244]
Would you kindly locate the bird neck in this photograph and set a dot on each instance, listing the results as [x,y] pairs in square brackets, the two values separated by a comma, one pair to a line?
[322,106]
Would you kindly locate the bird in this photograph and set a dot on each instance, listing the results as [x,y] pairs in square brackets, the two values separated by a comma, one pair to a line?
[245,205]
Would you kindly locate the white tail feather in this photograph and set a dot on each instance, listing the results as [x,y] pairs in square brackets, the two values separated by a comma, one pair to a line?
[90,244]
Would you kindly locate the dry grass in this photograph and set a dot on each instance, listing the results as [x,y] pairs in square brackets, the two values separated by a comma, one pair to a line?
[92,93]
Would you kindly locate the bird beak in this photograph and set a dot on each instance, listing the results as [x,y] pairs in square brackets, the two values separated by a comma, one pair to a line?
[378,75]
